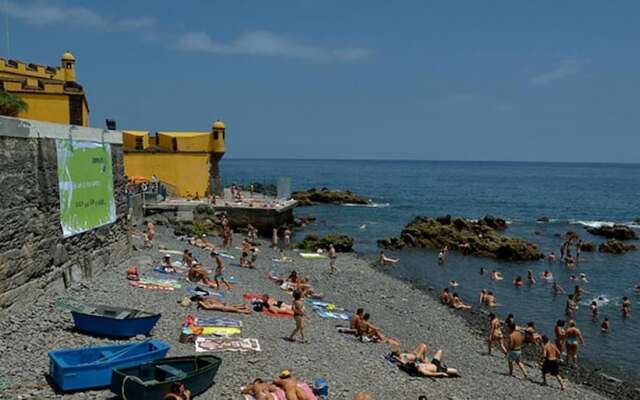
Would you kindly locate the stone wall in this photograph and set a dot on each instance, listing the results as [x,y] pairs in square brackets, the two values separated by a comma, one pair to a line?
[33,254]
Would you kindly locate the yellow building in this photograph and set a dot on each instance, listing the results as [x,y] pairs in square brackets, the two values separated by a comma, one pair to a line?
[186,162]
[51,93]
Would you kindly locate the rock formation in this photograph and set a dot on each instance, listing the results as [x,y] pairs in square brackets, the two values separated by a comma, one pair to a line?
[480,237]
[619,232]
[342,243]
[314,196]
[615,246]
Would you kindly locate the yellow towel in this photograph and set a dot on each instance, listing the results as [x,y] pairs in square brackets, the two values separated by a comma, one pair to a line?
[219,330]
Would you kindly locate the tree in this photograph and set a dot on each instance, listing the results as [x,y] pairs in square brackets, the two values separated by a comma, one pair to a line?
[11,105]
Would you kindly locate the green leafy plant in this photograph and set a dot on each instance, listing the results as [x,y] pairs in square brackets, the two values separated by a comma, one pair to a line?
[11,105]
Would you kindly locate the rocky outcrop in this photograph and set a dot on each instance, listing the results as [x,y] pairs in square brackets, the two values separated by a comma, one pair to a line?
[314,196]
[587,246]
[619,232]
[477,238]
[496,223]
[615,246]
[301,222]
[342,243]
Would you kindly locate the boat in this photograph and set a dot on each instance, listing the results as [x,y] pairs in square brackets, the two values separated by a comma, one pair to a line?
[113,322]
[90,367]
[153,380]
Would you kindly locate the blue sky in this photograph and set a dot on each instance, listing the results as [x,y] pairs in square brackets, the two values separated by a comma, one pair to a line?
[448,80]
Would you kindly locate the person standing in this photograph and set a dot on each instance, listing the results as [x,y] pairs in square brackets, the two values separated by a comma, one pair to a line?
[560,335]
[551,363]
[218,276]
[573,340]
[332,259]
[286,239]
[626,307]
[514,355]
[298,316]
[274,238]
[151,231]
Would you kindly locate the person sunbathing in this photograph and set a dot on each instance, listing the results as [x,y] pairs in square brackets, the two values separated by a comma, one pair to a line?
[355,320]
[445,297]
[217,305]
[384,260]
[457,303]
[259,389]
[289,384]
[418,355]
[198,274]
[166,264]
[275,305]
[202,244]
[366,330]
[305,288]
[431,369]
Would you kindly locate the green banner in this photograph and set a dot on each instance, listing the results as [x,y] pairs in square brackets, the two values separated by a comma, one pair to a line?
[85,180]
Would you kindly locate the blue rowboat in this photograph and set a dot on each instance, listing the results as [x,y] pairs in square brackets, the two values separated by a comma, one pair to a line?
[154,380]
[113,322]
[90,367]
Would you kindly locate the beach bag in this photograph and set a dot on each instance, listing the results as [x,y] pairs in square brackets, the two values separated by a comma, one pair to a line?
[321,388]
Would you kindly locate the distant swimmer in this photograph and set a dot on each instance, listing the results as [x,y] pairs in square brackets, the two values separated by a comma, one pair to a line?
[490,299]
[570,306]
[453,284]
[557,289]
[551,258]
[441,257]
[578,292]
[530,279]
[604,328]
[482,272]
[637,289]
[384,260]
[363,226]
[570,262]
[583,277]
[483,295]
[594,310]
[626,307]
[518,282]
[496,276]
[546,275]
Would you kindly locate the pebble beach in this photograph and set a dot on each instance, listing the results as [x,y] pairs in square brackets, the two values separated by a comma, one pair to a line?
[349,366]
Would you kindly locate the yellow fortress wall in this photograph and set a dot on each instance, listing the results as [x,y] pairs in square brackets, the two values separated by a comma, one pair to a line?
[51,93]
[186,161]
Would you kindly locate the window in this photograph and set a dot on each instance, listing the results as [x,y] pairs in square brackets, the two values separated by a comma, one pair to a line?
[139,143]
[174,144]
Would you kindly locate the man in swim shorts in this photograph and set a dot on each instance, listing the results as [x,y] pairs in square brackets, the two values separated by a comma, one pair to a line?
[259,389]
[551,363]
[514,355]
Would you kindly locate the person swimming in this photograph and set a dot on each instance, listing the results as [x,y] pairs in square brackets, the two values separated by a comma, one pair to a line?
[604,328]
[530,279]
[626,307]
[496,275]
[518,282]
[453,284]
[546,275]
[594,310]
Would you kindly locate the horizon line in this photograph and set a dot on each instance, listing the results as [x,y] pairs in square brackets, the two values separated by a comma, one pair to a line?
[436,161]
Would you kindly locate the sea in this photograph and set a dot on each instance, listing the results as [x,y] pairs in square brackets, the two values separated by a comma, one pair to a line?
[572,195]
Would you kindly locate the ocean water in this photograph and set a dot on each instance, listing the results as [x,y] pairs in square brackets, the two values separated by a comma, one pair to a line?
[573,196]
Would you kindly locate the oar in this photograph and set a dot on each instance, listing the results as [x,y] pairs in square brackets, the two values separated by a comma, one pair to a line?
[118,354]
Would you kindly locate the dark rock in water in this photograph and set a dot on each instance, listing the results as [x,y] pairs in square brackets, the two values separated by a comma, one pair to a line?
[480,238]
[537,233]
[494,222]
[342,243]
[314,196]
[619,232]
[557,235]
[587,246]
[544,220]
[615,246]
[572,235]
[301,222]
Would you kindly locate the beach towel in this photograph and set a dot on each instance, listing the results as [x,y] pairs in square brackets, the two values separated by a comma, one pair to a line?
[218,321]
[225,255]
[203,293]
[212,331]
[313,256]
[222,344]
[282,260]
[279,394]
[150,286]
[161,270]
[324,305]
[161,282]
[331,314]
[177,252]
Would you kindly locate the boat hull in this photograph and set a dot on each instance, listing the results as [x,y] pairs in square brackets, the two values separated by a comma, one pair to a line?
[151,381]
[86,368]
[99,325]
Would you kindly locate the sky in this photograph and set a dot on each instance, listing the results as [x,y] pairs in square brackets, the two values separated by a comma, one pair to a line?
[421,80]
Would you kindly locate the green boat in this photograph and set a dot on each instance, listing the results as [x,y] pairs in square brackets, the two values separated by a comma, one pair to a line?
[153,380]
